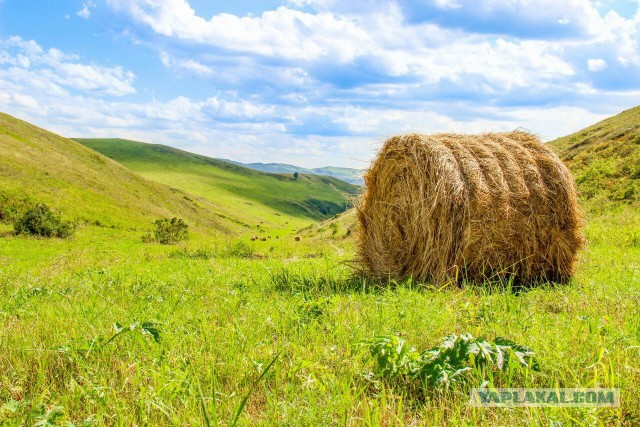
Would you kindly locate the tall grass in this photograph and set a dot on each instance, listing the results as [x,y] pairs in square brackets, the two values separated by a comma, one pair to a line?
[221,320]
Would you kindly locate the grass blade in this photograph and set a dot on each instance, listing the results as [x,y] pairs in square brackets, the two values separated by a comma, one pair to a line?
[213,396]
[246,398]
[202,404]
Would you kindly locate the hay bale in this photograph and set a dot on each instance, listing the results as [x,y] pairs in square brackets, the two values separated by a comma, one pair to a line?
[448,207]
[298,238]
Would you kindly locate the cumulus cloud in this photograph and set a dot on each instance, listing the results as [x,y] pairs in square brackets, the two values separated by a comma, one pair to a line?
[55,71]
[24,101]
[365,68]
[345,52]
[231,127]
[385,43]
[285,33]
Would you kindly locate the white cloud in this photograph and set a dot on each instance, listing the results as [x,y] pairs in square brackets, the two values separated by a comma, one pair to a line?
[596,65]
[25,101]
[537,19]
[85,12]
[319,44]
[284,32]
[248,131]
[188,65]
[298,3]
[622,37]
[22,60]
[448,4]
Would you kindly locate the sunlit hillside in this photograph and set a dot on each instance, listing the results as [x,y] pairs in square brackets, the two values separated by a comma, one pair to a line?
[41,167]
[259,199]
[605,159]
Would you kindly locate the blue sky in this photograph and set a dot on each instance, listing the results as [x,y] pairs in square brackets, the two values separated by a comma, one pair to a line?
[315,82]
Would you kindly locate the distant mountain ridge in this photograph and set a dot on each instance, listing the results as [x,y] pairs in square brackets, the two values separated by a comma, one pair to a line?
[352,176]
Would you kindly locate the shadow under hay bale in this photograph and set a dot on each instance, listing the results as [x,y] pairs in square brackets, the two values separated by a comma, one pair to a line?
[449,207]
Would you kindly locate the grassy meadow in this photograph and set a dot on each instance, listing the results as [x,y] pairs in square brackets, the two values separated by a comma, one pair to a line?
[103,329]
[224,310]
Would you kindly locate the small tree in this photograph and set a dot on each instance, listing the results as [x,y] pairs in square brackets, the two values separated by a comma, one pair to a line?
[39,220]
[295,175]
[168,231]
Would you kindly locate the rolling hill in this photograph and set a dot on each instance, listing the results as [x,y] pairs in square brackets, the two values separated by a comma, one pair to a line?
[211,195]
[259,199]
[605,158]
[352,176]
[40,166]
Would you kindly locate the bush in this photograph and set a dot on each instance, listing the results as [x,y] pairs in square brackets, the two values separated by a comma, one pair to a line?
[334,228]
[239,249]
[168,231]
[39,220]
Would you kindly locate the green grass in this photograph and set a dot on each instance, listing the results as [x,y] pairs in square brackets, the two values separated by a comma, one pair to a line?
[223,315]
[272,201]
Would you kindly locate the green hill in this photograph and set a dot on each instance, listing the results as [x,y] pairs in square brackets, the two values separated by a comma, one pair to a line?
[605,158]
[40,166]
[253,197]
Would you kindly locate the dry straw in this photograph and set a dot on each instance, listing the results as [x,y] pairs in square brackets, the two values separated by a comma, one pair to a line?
[449,207]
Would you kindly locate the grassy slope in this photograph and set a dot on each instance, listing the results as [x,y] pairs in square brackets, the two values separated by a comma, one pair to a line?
[85,185]
[605,159]
[254,197]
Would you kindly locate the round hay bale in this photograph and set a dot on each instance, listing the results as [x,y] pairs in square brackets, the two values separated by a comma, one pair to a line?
[449,207]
